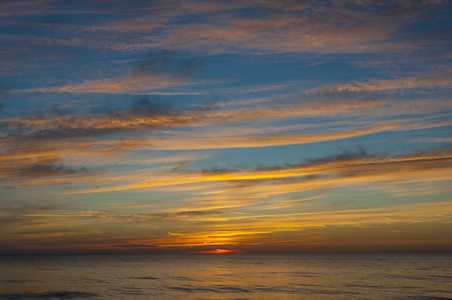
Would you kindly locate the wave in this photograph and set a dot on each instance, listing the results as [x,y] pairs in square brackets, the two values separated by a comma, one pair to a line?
[47,295]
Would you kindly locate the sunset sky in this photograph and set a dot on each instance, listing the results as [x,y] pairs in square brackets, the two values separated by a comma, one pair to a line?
[247,126]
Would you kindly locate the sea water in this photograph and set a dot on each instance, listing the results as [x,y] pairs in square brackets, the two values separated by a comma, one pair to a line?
[227,276]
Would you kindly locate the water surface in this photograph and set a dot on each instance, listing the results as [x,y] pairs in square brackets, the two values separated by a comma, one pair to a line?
[227,276]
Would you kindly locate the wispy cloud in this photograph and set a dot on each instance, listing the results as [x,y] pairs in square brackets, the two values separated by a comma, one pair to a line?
[40,141]
[283,26]
[422,81]
[253,231]
[349,168]
[220,26]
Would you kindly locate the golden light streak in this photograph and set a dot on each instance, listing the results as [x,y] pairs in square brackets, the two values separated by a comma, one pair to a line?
[357,170]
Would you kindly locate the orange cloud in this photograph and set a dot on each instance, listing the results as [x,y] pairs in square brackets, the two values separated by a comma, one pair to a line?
[349,168]
[217,251]
[426,80]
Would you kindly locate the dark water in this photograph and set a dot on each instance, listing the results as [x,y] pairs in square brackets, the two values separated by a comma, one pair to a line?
[230,276]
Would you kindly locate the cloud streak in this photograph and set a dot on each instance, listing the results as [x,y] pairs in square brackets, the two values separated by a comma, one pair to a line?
[349,168]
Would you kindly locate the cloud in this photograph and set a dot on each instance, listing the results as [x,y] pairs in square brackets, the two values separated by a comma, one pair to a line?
[314,26]
[47,234]
[135,246]
[47,168]
[39,144]
[244,228]
[29,217]
[38,168]
[34,146]
[30,206]
[250,230]
[264,140]
[142,114]
[199,213]
[118,85]
[425,80]
[156,71]
[14,8]
[221,26]
[348,168]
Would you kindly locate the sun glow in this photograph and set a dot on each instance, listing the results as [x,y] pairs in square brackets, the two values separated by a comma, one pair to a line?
[218,251]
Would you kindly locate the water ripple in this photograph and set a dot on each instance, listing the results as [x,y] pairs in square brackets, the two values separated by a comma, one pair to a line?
[48,295]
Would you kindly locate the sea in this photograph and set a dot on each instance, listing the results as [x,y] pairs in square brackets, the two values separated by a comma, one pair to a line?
[227,276]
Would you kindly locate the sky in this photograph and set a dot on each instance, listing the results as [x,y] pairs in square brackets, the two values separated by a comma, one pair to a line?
[246,126]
